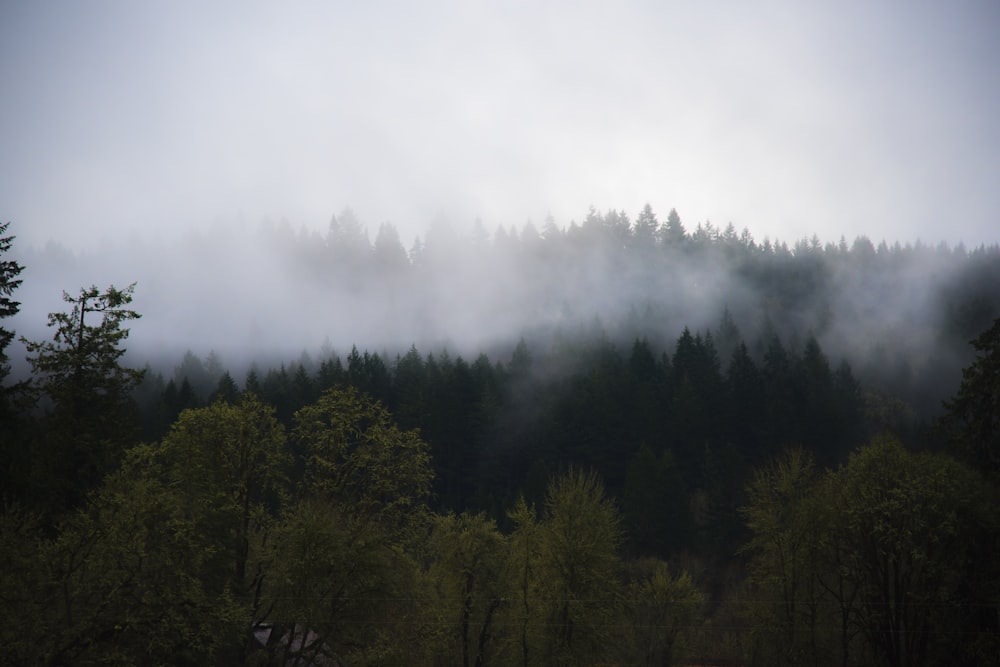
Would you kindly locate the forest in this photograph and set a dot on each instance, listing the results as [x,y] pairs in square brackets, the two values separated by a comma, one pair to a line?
[617,442]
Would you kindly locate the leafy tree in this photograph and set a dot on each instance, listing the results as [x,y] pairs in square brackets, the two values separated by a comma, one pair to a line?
[92,418]
[661,611]
[358,459]
[469,561]
[230,462]
[123,580]
[578,569]
[523,575]
[913,520]
[338,556]
[132,569]
[782,566]
[337,586]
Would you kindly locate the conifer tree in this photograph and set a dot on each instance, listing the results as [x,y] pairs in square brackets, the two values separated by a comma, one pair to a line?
[92,419]
[9,270]
[974,412]
[14,455]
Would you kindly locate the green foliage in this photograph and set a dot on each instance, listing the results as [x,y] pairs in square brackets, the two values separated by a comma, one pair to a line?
[92,419]
[912,520]
[338,559]
[230,461]
[469,558]
[892,549]
[22,580]
[661,613]
[359,460]
[9,270]
[344,582]
[15,469]
[574,569]
[122,582]
[784,605]
[81,363]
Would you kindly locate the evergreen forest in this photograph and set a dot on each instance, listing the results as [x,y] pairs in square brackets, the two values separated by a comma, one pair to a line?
[618,442]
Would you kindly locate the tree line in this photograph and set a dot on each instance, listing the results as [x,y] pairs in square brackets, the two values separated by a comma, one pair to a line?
[575,504]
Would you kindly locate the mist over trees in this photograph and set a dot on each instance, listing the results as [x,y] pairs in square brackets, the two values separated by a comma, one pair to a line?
[618,441]
[900,314]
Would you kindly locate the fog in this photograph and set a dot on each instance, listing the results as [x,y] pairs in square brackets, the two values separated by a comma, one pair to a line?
[200,152]
[789,118]
[901,314]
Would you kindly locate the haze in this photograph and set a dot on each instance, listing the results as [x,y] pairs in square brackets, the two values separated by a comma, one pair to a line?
[788,118]
[195,149]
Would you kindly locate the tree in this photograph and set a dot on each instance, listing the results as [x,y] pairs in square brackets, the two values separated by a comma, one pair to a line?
[388,252]
[9,270]
[336,587]
[914,520]
[339,553]
[654,503]
[16,460]
[578,568]
[662,610]
[645,229]
[165,558]
[357,458]
[92,419]
[744,411]
[782,572]
[231,461]
[125,580]
[673,232]
[469,559]
[973,415]
[347,237]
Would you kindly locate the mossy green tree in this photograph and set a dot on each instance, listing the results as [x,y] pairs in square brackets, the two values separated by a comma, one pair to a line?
[662,613]
[469,558]
[888,559]
[344,575]
[916,523]
[565,573]
[784,600]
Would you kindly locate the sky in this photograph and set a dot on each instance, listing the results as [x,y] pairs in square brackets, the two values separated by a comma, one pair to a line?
[787,118]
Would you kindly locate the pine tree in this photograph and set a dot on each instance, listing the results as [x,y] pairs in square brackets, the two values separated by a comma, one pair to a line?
[974,413]
[9,270]
[16,462]
[92,419]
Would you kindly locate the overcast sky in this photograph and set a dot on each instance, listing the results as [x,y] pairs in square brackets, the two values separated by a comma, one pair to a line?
[789,118]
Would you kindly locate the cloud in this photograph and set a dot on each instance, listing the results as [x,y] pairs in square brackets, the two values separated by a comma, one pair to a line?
[790,119]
